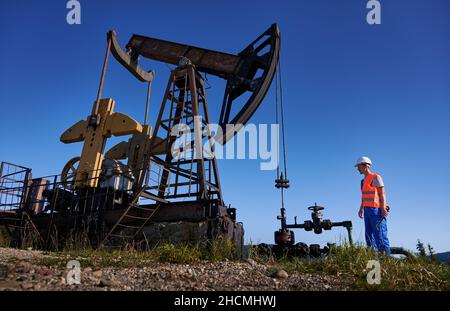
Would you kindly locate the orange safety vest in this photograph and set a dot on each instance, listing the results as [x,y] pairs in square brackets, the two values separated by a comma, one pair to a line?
[370,196]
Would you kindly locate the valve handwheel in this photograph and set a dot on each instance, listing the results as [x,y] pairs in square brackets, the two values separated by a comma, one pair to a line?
[69,172]
[316,208]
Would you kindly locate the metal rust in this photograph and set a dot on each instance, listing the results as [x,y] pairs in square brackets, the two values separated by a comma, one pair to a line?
[125,60]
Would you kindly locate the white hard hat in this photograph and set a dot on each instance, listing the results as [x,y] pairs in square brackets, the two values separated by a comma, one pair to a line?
[363,160]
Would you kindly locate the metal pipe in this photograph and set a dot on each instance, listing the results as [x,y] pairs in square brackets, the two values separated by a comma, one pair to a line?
[296,226]
[102,79]
[350,238]
[147,102]
[401,251]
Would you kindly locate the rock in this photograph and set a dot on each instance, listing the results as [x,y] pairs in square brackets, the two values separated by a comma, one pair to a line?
[27,285]
[280,274]
[45,272]
[252,262]
[98,274]
[107,283]
[276,283]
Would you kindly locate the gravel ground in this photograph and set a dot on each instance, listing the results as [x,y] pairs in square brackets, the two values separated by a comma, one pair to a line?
[19,270]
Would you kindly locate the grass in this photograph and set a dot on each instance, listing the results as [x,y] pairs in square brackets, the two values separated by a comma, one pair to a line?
[350,264]
[77,245]
[172,253]
[218,249]
[98,258]
[5,240]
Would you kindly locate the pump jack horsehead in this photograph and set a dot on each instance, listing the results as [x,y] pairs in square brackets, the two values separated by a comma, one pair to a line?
[97,181]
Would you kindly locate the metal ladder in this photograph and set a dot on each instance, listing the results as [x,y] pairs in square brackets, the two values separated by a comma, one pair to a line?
[132,221]
[136,217]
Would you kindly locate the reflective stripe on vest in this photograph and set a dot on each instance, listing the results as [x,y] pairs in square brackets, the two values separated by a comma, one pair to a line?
[369,193]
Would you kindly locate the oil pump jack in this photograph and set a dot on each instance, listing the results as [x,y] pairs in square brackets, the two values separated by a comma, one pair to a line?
[156,195]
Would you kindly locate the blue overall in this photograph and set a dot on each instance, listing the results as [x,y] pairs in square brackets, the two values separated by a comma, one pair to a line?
[376,230]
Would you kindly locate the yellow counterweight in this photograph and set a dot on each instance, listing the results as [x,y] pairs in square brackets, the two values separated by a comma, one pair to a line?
[94,137]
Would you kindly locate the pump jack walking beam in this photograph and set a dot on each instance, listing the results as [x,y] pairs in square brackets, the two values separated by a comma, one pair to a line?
[251,71]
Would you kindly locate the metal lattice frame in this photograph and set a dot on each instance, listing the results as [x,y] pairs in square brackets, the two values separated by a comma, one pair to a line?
[193,175]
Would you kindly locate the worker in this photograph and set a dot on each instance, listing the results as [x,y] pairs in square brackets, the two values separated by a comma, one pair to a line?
[373,207]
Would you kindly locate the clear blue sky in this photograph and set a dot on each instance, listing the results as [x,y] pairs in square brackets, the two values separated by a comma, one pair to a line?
[350,89]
